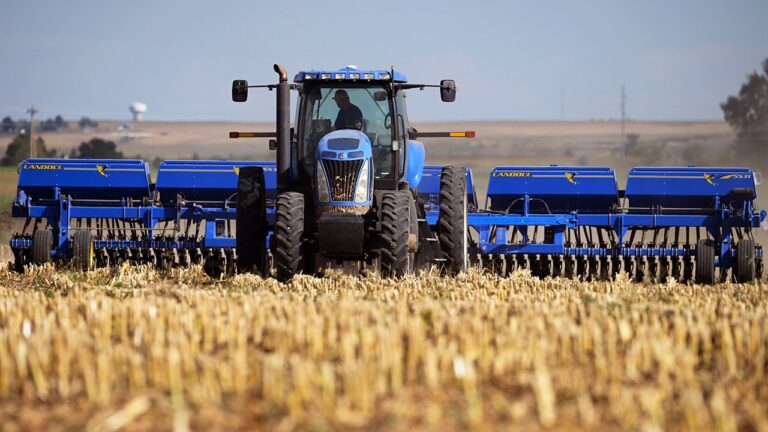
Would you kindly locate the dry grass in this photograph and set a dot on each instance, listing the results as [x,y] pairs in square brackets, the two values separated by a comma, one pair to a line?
[130,348]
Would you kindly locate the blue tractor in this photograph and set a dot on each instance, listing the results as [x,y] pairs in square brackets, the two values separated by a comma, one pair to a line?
[348,174]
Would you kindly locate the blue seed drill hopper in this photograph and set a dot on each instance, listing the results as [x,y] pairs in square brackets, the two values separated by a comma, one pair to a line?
[103,212]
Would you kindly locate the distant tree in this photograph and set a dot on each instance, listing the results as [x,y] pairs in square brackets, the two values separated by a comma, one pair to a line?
[18,150]
[747,113]
[97,148]
[47,125]
[86,123]
[60,122]
[8,125]
[52,125]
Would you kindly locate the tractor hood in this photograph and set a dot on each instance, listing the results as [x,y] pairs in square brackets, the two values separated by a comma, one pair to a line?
[346,144]
[344,172]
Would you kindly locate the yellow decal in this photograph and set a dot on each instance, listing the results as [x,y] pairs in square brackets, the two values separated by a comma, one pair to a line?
[102,170]
[571,177]
[727,176]
[45,167]
[237,171]
[512,174]
[709,178]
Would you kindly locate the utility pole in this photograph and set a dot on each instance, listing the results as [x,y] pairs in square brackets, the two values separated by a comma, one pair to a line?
[31,111]
[623,120]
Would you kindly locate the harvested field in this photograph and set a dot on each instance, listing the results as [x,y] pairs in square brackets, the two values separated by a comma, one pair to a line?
[134,348]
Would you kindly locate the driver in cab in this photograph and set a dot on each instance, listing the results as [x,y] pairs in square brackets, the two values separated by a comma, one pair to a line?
[350,116]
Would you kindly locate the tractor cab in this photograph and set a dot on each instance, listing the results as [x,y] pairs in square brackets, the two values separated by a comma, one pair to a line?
[347,116]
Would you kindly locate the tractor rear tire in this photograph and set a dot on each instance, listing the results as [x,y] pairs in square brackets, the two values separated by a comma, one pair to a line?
[288,235]
[42,242]
[745,261]
[251,223]
[452,220]
[83,256]
[395,211]
[705,262]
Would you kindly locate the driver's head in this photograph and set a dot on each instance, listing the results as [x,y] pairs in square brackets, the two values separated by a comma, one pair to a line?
[342,98]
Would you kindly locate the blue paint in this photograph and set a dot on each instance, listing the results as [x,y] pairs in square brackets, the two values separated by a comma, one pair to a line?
[349,74]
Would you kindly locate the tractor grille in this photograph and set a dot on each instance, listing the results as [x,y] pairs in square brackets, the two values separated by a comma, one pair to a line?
[342,176]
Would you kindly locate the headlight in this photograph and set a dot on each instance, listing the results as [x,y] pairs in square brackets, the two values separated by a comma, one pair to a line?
[369,76]
[384,76]
[323,194]
[361,190]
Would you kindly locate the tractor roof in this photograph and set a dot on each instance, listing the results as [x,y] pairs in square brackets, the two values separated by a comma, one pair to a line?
[349,73]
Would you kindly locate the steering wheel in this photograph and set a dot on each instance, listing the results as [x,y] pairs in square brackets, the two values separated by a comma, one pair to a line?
[388,120]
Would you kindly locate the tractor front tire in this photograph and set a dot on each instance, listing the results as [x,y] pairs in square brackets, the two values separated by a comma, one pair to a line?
[395,211]
[82,251]
[705,262]
[42,241]
[452,220]
[288,235]
[251,222]
[746,270]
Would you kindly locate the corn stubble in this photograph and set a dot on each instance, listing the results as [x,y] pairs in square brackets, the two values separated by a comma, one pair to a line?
[133,349]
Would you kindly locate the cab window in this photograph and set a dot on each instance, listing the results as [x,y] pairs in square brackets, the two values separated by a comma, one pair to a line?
[333,107]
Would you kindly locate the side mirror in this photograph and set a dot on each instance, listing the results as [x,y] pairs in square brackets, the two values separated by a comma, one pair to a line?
[448,90]
[239,90]
[380,96]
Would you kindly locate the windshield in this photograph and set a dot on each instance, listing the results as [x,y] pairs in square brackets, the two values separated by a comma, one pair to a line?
[336,106]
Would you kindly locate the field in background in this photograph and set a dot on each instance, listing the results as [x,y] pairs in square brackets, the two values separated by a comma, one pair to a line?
[132,347]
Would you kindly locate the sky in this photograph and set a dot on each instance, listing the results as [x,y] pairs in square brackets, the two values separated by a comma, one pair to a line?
[512,60]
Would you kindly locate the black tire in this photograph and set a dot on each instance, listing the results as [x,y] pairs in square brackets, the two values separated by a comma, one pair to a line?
[83,257]
[705,262]
[452,220]
[746,268]
[394,210]
[42,242]
[251,223]
[288,235]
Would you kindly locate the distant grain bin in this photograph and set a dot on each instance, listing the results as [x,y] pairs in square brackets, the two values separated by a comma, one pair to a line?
[138,109]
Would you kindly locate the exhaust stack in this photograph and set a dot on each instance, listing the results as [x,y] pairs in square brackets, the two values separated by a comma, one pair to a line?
[283,128]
